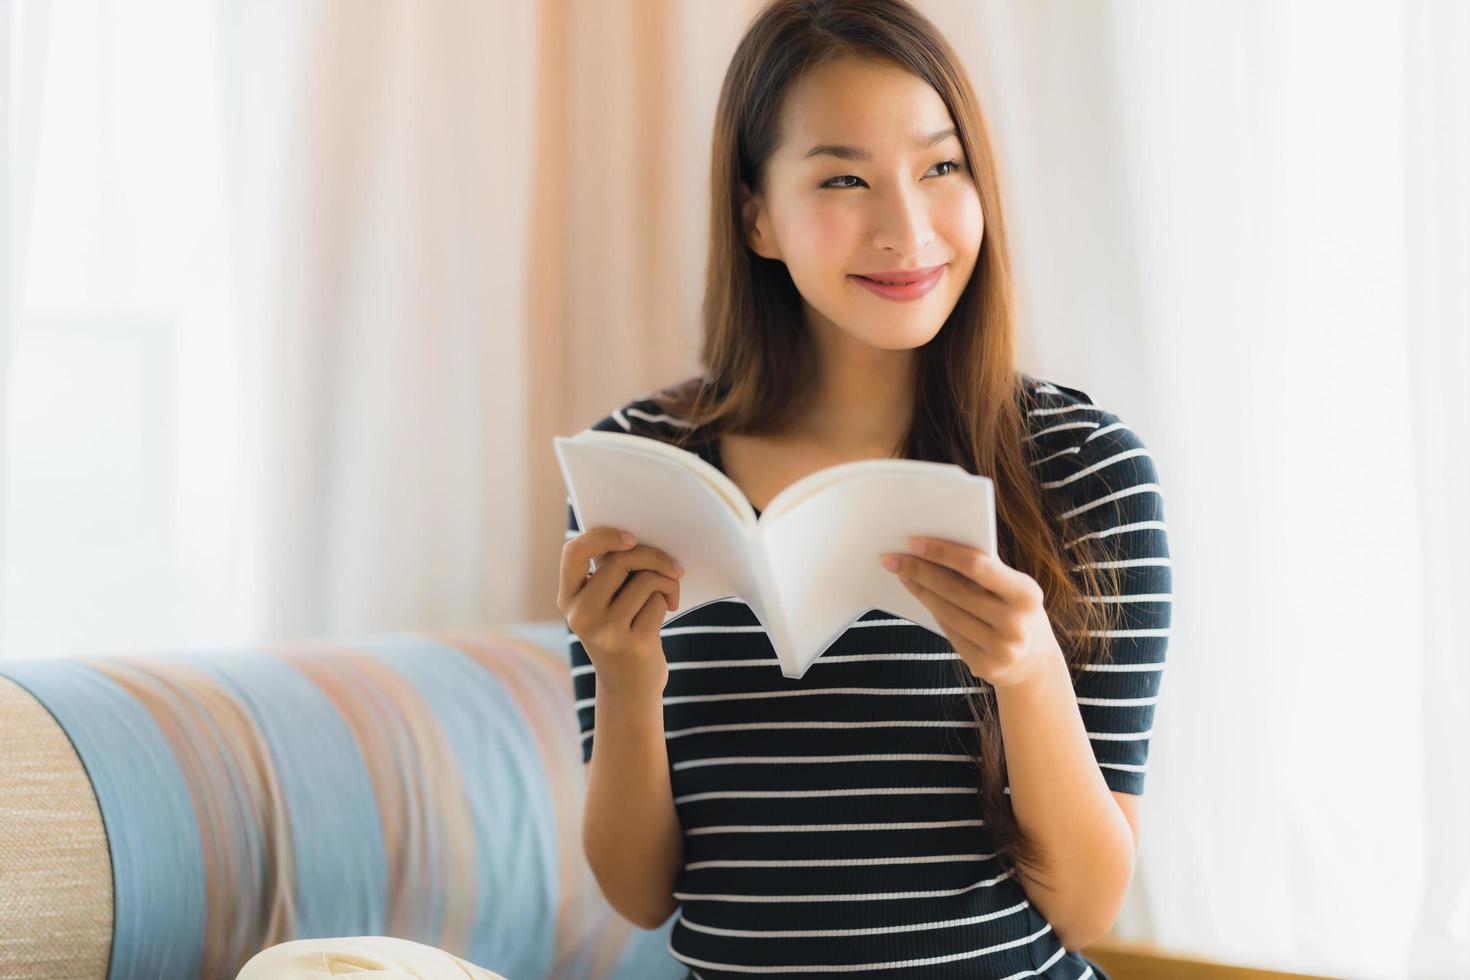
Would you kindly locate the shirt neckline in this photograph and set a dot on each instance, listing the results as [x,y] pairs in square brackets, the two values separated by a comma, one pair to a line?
[713,446]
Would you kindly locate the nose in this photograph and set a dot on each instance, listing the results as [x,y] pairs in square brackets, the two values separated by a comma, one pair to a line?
[903,221]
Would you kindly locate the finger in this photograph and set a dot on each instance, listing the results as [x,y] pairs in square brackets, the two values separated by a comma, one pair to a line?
[667,583]
[956,621]
[980,567]
[647,556]
[578,551]
[979,601]
[640,586]
[652,613]
[615,569]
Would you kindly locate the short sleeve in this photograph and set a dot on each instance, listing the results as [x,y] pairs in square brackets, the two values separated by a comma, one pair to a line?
[584,679]
[1114,492]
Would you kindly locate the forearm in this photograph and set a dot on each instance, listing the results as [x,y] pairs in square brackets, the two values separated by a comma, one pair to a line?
[1061,800]
[630,829]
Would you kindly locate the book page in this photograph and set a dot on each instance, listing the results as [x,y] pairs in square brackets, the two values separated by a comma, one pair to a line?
[796,492]
[661,494]
[825,551]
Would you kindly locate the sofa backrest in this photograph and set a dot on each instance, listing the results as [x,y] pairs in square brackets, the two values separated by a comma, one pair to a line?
[174,814]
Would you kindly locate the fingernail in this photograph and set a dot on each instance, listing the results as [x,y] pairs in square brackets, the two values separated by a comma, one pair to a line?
[916,546]
[628,537]
[890,563]
[678,568]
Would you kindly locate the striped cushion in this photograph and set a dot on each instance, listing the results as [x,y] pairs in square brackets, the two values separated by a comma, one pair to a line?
[427,786]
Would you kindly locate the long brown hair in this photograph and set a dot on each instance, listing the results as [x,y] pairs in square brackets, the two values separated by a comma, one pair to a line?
[969,398]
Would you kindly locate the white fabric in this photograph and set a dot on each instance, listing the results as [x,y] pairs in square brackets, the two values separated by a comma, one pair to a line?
[360,958]
[265,331]
[1216,205]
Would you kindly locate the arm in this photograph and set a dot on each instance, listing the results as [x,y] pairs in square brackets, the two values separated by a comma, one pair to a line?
[1077,753]
[1060,798]
[1073,751]
[630,829]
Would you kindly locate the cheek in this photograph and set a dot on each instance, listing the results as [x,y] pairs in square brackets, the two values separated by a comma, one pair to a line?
[961,222]
[819,233]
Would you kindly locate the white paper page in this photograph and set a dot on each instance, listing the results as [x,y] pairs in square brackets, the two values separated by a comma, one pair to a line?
[667,507]
[825,552]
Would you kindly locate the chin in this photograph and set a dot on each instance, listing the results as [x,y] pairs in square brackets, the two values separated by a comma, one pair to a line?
[889,338]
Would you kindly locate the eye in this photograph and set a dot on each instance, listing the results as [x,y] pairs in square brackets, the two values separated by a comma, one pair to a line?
[955,164]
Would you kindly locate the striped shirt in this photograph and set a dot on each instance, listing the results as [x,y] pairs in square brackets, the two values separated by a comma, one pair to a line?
[832,823]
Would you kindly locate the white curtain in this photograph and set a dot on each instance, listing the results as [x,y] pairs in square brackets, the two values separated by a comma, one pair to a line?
[392,381]
[1437,337]
[263,343]
[142,198]
[1245,227]
[261,329]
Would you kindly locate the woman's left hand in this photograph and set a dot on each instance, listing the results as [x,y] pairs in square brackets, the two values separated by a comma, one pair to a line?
[992,614]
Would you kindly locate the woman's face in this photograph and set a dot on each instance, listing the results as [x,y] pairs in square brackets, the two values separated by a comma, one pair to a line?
[890,200]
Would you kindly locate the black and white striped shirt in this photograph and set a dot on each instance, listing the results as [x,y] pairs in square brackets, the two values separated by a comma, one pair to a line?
[832,823]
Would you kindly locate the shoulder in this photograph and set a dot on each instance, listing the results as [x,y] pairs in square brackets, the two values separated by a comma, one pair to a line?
[1079,445]
[654,414]
[1099,472]
[1054,407]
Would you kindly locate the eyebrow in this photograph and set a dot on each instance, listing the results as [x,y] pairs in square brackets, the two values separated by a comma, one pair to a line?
[858,153]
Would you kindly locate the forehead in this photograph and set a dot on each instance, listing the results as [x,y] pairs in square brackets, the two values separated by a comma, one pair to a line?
[862,102]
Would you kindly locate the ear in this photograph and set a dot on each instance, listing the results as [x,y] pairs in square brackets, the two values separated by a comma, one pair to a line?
[756,221]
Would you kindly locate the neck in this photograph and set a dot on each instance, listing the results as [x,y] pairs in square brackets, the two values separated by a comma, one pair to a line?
[863,401]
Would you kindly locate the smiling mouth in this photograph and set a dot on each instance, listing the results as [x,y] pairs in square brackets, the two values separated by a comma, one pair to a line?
[902,290]
[903,278]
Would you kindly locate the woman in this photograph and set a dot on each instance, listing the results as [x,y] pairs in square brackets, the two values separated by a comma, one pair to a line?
[917,805]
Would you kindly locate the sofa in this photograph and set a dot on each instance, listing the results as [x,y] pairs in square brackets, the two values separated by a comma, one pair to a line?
[170,815]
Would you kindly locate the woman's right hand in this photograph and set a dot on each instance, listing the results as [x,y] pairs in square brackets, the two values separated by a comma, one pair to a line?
[618,610]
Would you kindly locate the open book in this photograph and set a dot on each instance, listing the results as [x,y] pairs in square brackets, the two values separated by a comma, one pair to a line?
[811,564]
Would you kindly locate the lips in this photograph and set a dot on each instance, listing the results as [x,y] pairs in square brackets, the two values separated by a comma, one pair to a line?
[904,292]
[900,277]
